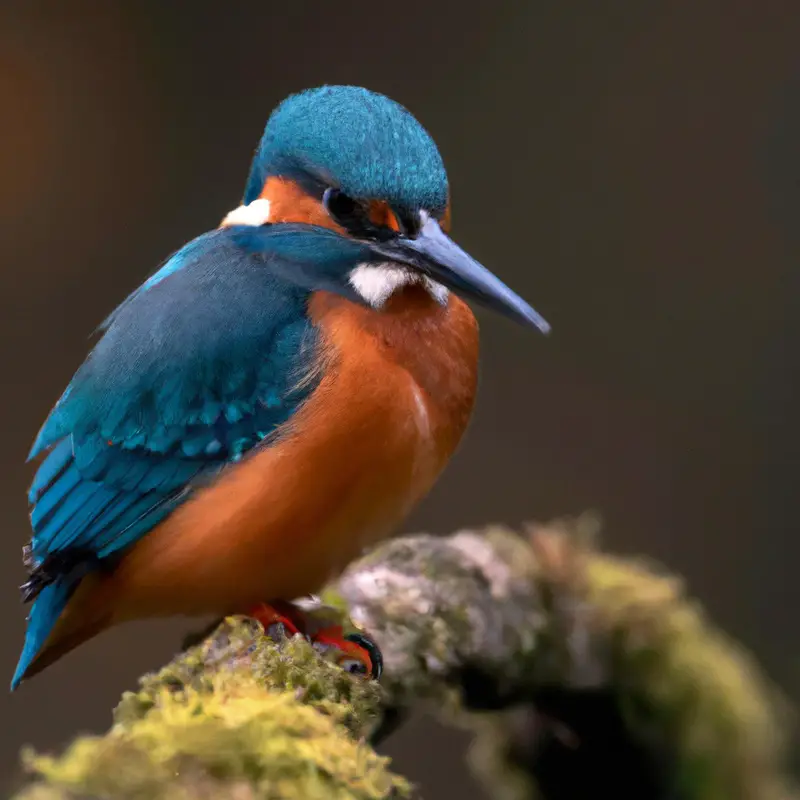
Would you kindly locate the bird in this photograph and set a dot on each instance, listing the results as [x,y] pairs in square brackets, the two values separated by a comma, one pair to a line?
[275,398]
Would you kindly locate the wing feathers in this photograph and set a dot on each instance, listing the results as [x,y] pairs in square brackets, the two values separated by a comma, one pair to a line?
[51,469]
[192,371]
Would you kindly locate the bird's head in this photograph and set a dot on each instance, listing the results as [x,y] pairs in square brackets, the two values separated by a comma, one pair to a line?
[358,164]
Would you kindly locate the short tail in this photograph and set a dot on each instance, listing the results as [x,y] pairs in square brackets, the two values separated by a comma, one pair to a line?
[45,612]
[45,641]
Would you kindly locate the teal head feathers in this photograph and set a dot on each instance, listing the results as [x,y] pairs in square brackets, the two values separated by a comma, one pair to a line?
[363,143]
[357,162]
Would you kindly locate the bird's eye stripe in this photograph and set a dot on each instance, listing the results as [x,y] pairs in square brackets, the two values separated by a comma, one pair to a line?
[373,220]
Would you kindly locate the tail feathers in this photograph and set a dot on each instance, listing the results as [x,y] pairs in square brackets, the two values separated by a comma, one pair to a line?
[44,614]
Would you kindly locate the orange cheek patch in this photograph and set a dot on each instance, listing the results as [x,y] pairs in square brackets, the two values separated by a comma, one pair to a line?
[289,202]
[381,214]
[444,222]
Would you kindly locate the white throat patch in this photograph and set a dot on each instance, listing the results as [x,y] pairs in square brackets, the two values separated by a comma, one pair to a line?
[376,283]
[255,213]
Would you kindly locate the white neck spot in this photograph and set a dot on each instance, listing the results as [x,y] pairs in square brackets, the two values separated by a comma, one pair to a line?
[376,283]
[255,213]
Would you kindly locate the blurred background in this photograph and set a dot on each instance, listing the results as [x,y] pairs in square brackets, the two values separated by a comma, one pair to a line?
[630,168]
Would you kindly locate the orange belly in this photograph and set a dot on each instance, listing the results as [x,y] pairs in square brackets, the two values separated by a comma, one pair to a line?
[393,403]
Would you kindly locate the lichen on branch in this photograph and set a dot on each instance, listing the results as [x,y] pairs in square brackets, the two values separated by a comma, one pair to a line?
[576,670]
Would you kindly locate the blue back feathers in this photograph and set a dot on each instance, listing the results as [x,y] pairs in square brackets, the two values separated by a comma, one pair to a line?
[207,360]
[361,142]
[199,362]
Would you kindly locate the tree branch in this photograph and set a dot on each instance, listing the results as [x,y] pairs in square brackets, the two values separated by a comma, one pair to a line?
[578,672]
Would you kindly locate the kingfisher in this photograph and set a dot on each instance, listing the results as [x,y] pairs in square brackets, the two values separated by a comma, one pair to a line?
[275,398]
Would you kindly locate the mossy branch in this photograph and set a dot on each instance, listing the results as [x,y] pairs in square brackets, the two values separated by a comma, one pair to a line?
[576,670]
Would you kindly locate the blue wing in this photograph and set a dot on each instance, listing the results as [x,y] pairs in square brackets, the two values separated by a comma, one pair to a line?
[201,364]
[204,362]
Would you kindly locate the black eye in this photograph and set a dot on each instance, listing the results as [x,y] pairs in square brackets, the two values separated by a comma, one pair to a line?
[342,208]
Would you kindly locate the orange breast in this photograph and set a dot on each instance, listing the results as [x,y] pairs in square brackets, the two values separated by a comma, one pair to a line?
[394,401]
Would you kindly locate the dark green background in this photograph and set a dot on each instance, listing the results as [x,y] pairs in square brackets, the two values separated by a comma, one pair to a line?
[630,167]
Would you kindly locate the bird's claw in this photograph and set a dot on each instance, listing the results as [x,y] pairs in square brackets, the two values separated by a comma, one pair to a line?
[354,652]
[277,621]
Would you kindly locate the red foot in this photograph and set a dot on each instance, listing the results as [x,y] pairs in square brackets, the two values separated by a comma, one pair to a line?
[353,652]
[356,653]
[277,613]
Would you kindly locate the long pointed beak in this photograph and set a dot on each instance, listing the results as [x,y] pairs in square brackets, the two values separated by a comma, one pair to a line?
[434,253]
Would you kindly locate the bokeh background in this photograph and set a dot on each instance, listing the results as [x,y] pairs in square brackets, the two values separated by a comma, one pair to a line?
[630,167]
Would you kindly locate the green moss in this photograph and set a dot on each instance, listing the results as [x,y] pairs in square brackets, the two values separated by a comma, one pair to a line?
[679,674]
[235,711]
[238,651]
[241,734]
[687,693]
[332,598]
